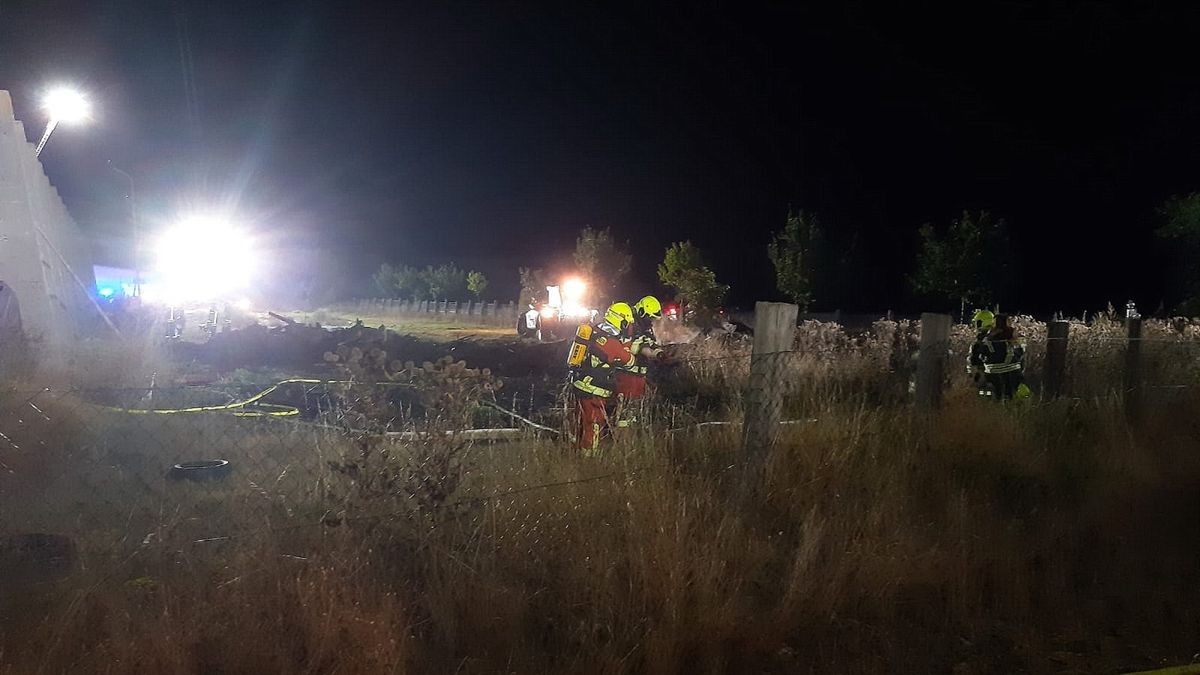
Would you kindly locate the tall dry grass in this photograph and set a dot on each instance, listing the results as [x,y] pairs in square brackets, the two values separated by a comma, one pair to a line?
[979,539]
[876,366]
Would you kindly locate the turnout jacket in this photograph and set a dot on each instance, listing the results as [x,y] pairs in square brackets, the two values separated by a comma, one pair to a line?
[597,352]
[996,352]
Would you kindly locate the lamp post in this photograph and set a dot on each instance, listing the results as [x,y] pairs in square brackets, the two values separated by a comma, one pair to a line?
[63,105]
[137,230]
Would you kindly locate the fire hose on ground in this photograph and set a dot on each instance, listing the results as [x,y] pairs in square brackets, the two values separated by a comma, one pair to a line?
[254,406]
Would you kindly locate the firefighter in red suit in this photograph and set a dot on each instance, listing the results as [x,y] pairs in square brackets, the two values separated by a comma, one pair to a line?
[597,353]
[631,383]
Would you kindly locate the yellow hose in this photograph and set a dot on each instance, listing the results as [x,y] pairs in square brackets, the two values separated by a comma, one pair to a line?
[237,408]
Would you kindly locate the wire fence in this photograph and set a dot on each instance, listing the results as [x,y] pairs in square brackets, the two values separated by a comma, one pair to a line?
[118,469]
[102,473]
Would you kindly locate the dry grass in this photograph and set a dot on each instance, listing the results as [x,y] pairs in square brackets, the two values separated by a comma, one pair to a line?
[876,366]
[981,539]
[432,327]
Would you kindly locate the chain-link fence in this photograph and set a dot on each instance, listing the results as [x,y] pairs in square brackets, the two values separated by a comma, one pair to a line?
[97,474]
[130,483]
[118,464]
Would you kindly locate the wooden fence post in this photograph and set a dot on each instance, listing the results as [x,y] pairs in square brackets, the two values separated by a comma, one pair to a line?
[1133,369]
[931,360]
[774,333]
[1056,358]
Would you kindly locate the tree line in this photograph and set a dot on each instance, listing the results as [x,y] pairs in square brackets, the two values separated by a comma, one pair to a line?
[967,262]
[970,261]
[442,282]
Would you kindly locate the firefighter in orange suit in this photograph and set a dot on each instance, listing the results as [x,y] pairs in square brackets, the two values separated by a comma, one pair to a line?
[597,353]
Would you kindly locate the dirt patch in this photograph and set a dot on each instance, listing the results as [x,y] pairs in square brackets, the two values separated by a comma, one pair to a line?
[301,349]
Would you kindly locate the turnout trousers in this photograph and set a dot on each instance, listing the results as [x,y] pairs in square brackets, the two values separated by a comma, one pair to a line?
[591,418]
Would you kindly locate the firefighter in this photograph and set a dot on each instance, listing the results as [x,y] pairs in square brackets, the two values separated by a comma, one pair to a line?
[997,358]
[631,383]
[645,312]
[597,353]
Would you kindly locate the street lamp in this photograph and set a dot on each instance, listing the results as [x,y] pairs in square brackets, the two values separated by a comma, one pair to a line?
[137,230]
[63,105]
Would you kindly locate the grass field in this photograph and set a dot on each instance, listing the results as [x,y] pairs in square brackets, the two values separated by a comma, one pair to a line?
[1056,540]
[426,329]
[1052,538]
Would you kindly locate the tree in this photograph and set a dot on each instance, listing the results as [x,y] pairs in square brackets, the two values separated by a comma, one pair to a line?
[1180,229]
[696,286]
[794,253]
[533,285]
[477,283]
[445,282]
[969,264]
[400,282]
[601,259]
[384,280]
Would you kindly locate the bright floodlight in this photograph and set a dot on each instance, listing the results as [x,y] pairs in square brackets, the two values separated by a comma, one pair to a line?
[62,105]
[573,289]
[67,105]
[203,259]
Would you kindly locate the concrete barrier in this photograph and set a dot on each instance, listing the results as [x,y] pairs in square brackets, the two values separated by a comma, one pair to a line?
[44,258]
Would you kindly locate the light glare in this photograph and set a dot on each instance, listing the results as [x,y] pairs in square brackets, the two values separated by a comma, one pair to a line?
[573,290]
[576,310]
[67,105]
[203,259]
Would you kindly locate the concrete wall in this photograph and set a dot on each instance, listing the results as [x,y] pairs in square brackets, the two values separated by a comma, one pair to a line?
[44,258]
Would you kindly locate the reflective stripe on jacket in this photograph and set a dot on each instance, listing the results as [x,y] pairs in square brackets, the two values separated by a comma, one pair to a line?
[606,353]
[640,341]
[587,384]
[997,356]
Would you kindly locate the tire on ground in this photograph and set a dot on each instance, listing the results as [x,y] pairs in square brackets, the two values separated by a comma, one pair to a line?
[200,470]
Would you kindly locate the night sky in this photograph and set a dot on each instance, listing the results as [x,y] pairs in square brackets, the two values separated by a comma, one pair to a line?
[489,133]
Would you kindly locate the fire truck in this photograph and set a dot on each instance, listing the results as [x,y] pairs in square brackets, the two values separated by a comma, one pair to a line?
[565,308]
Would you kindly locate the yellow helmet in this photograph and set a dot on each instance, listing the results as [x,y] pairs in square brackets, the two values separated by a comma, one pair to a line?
[983,319]
[648,306]
[619,315]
